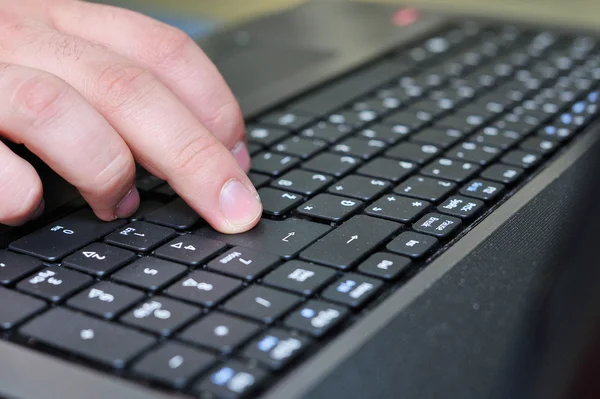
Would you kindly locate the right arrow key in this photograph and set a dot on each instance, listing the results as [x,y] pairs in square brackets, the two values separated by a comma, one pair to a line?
[351,242]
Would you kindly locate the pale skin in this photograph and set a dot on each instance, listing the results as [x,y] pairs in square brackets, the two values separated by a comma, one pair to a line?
[90,88]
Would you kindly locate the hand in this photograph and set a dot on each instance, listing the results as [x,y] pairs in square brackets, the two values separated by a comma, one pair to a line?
[89,88]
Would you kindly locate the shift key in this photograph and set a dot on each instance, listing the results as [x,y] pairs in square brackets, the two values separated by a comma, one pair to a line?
[64,236]
[351,242]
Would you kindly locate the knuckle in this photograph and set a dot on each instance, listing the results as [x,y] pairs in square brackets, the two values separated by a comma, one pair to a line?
[191,158]
[115,177]
[165,45]
[228,120]
[41,98]
[118,87]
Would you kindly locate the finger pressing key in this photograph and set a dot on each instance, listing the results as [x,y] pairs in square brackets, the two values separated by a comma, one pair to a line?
[162,133]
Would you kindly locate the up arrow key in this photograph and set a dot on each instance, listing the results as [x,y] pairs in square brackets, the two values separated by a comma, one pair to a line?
[333,250]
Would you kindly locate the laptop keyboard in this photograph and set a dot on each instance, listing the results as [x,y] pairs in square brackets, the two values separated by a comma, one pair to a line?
[364,181]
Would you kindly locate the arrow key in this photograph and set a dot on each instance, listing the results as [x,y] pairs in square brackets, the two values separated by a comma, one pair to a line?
[190,250]
[330,207]
[243,263]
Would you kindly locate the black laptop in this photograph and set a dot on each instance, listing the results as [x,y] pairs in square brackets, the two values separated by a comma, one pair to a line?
[420,177]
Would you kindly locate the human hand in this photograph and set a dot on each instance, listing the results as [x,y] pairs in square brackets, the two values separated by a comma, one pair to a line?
[89,88]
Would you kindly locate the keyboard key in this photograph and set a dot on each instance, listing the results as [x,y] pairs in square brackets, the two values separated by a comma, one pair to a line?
[244,263]
[387,169]
[448,169]
[316,317]
[364,149]
[146,207]
[64,236]
[385,266]
[276,348]
[104,342]
[326,131]
[330,207]
[411,244]
[333,164]
[276,202]
[14,266]
[220,332]
[273,164]
[284,238]
[173,364]
[438,225]
[265,135]
[262,303]
[538,145]
[522,159]
[204,288]
[397,208]
[140,236]
[502,173]
[425,188]
[494,137]
[17,307]
[302,182]
[190,250]
[412,152]
[149,273]
[98,259]
[106,299]
[359,187]
[176,215]
[474,153]
[441,138]
[349,243]
[231,380]
[54,283]
[299,147]
[389,134]
[289,119]
[482,189]
[461,207]
[352,290]
[161,315]
[299,277]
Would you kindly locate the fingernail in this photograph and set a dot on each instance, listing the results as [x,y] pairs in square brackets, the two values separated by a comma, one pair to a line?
[241,155]
[239,205]
[129,204]
[39,210]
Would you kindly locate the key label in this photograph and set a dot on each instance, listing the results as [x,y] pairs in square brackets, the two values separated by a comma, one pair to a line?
[385,264]
[245,262]
[62,230]
[151,272]
[307,313]
[289,196]
[263,302]
[391,199]
[86,334]
[348,203]
[101,295]
[417,204]
[175,362]
[221,331]
[355,237]
[286,238]
[300,275]
[324,318]
[412,243]
[202,286]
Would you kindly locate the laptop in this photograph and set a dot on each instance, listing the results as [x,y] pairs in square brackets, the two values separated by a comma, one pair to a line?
[420,176]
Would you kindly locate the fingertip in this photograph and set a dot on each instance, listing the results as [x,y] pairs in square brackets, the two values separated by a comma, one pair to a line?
[240,206]
[129,204]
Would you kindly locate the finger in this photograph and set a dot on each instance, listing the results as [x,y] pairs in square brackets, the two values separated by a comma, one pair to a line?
[21,199]
[170,55]
[44,113]
[163,134]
